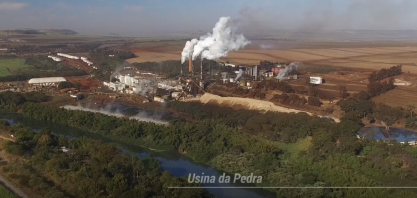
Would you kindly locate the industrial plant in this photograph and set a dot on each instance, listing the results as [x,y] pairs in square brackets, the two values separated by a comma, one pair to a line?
[68,56]
[55,58]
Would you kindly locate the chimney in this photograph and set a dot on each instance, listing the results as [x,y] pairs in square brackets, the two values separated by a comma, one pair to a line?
[201,69]
[190,65]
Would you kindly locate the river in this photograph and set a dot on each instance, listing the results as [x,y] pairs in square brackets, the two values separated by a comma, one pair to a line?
[379,133]
[178,165]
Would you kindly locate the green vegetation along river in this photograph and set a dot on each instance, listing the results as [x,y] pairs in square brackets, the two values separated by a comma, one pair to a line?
[171,161]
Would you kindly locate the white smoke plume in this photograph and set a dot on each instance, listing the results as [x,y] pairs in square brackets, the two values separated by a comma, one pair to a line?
[141,116]
[213,46]
[239,74]
[188,50]
[119,68]
[145,86]
[288,69]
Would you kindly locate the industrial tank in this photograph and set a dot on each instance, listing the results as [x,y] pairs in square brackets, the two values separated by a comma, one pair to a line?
[248,84]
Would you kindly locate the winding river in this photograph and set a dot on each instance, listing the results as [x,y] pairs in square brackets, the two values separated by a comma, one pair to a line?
[178,165]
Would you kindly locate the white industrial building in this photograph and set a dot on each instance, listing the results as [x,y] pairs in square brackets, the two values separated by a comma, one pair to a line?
[55,58]
[89,63]
[50,81]
[68,56]
[115,86]
[316,80]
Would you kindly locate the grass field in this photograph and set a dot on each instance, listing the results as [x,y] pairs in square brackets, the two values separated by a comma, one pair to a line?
[372,56]
[401,96]
[12,63]
[4,193]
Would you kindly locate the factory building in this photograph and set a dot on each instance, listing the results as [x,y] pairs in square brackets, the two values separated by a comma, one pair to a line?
[252,71]
[55,58]
[115,86]
[51,81]
[68,56]
[84,59]
[170,86]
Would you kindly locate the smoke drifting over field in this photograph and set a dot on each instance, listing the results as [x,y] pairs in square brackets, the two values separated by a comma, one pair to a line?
[141,116]
[287,70]
[213,46]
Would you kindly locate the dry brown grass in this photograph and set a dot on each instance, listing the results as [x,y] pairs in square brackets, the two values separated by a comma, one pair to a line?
[399,97]
[352,55]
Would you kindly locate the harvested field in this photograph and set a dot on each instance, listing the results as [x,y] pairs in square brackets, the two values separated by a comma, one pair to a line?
[401,96]
[370,56]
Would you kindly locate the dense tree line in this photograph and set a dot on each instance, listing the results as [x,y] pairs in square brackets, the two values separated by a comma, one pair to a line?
[305,150]
[290,99]
[378,88]
[334,156]
[385,73]
[357,108]
[89,169]
[12,100]
[266,85]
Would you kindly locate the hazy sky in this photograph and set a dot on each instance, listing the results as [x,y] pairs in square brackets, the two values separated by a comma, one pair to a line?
[146,17]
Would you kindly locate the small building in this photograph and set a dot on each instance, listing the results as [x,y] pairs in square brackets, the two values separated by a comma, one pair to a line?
[50,81]
[316,80]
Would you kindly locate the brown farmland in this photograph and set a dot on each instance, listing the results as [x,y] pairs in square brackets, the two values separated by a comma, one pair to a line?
[357,55]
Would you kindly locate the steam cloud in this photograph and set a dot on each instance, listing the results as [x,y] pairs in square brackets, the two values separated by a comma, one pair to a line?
[118,69]
[239,74]
[213,46]
[141,116]
[287,70]
[145,86]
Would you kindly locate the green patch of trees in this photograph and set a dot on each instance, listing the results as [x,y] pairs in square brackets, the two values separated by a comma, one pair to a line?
[89,169]
[12,100]
[66,84]
[266,144]
[385,73]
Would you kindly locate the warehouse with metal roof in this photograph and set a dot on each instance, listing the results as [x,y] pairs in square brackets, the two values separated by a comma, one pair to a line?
[50,81]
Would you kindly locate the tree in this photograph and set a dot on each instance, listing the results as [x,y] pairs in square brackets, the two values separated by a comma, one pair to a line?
[343,92]
[314,101]
[362,95]
[78,86]
[66,84]
[411,108]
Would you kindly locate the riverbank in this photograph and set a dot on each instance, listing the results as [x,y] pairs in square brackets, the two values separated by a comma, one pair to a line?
[177,164]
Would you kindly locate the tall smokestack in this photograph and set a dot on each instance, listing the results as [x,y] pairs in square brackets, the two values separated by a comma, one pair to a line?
[201,69]
[190,65]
